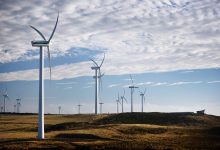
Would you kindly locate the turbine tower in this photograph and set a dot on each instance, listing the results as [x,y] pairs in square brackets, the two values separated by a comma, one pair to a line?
[132,87]
[79,106]
[97,76]
[5,97]
[142,94]
[15,108]
[18,104]
[118,102]
[41,44]
[122,101]
[59,109]
[101,103]
[100,88]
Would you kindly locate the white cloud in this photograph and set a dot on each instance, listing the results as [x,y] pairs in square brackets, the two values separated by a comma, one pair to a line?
[68,88]
[211,82]
[86,87]
[144,83]
[169,84]
[113,85]
[182,83]
[188,71]
[160,84]
[91,83]
[138,36]
[65,83]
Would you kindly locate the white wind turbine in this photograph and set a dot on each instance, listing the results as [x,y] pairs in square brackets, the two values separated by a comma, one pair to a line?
[15,108]
[18,104]
[59,109]
[132,87]
[79,108]
[5,96]
[142,94]
[101,103]
[118,102]
[41,44]
[122,101]
[97,76]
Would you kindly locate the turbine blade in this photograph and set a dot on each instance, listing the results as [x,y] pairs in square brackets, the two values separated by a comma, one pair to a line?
[48,52]
[38,32]
[144,91]
[100,81]
[102,61]
[125,99]
[54,28]
[94,62]
[131,80]
[119,102]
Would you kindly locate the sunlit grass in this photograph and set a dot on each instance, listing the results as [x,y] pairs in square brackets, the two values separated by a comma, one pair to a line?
[80,131]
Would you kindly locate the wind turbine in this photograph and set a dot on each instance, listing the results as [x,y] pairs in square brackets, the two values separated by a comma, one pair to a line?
[18,104]
[100,88]
[142,94]
[59,109]
[14,108]
[118,102]
[79,106]
[1,108]
[5,97]
[132,87]
[101,103]
[122,101]
[97,76]
[41,44]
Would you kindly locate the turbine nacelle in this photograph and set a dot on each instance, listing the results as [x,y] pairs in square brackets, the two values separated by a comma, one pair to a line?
[95,68]
[133,86]
[40,43]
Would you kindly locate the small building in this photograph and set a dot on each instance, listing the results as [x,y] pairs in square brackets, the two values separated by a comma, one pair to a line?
[201,112]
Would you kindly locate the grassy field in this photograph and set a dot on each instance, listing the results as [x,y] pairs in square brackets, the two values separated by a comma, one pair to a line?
[114,131]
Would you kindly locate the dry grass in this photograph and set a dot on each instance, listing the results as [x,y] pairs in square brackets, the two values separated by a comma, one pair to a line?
[111,132]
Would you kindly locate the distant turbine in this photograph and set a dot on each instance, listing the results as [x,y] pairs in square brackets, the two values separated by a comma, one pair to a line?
[118,102]
[18,104]
[5,97]
[97,76]
[132,87]
[101,103]
[42,43]
[15,108]
[59,109]
[122,101]
[142,94]
[79,107]
[1,108]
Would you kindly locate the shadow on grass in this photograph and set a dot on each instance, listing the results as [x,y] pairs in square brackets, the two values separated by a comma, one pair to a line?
[81,137]
[140,130]
[152,118]
[214,131]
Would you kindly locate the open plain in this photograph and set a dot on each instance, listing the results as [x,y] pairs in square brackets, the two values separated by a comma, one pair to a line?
[112,131]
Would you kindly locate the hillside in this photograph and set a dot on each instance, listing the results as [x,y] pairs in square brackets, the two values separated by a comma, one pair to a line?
[160,119]
[112,131]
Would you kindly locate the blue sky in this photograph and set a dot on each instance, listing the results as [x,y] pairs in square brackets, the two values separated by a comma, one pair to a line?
[171,48]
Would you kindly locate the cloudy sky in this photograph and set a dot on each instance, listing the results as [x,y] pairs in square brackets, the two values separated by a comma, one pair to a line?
[171,47]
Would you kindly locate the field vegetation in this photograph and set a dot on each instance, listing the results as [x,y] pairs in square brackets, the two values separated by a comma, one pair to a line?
[112,131]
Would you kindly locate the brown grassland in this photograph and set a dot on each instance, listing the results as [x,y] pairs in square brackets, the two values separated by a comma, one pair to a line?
[112,131]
